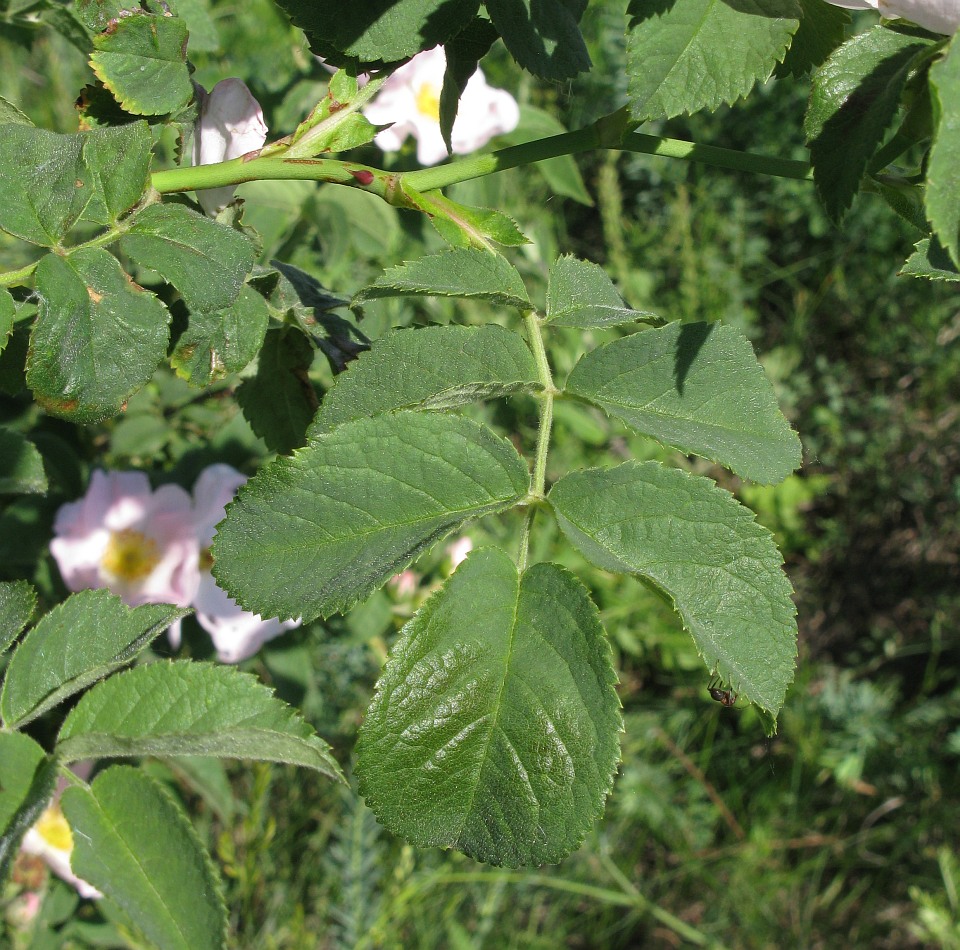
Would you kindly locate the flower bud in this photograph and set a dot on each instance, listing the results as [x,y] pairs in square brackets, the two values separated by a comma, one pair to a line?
[230,124]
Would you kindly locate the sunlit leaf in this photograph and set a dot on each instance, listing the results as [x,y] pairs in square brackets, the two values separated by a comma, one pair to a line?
[86,637]
[697,387]
[696,544]
[312,534]
[432,368]
[494,726]
[44,183]
[206,261]
[141,58]
[686,55]
[190,708]
[461,272]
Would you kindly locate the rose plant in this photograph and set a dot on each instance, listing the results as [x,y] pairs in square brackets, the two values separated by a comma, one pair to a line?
[495,724]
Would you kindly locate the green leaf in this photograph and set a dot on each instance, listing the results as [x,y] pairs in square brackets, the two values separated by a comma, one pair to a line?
[97,14]
[432,368]
[190,708]
[279,401]
[580,294]
[77,643]
[119,162]
[18,600]
[494,726]
[696,544]
[686,55]
[543,36]
[377,31]
[821,31]
[20,757]
[27,779]
[930,260]
[312,534]
[463,54]
[561,173]
[141,59]
[11,115]
[461,226]
[856,94]
[135,845]
[44,183]
[697,387]
[97,339]
[21,465]
[943,168]
[221,342]
[343,128]
[205,260]
[8,312]
[460,272]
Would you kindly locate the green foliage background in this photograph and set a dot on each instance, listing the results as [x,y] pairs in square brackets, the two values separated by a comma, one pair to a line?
[840,829]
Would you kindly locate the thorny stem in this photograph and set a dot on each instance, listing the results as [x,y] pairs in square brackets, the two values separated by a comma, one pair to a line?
[538,483]
[614,131]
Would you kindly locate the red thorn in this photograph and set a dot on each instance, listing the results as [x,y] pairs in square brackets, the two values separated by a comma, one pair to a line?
[363,176]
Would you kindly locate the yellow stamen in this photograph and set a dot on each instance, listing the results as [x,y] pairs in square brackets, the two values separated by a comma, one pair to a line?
[130,556]
[206,559]
[53,828]
[428,101]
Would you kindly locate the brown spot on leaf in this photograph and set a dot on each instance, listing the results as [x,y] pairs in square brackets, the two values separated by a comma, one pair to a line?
[93,295]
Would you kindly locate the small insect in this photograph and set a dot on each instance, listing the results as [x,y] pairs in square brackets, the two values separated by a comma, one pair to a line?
[720,694]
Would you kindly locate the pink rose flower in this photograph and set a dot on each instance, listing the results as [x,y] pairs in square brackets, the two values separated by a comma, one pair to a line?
[236,633]
[458,551]
[940,16]
[230,125]
[135,542]
[51,839]
[410,99]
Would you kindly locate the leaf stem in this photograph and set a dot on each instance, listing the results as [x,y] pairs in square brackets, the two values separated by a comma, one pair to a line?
[538,482]
[12,278]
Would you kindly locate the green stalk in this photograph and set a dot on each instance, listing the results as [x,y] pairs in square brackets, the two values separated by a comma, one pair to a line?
[609,132]
[713,155]
[13,278]
[538,482]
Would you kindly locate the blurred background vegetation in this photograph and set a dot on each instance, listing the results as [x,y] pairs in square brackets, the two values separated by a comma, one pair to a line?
[839,831]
